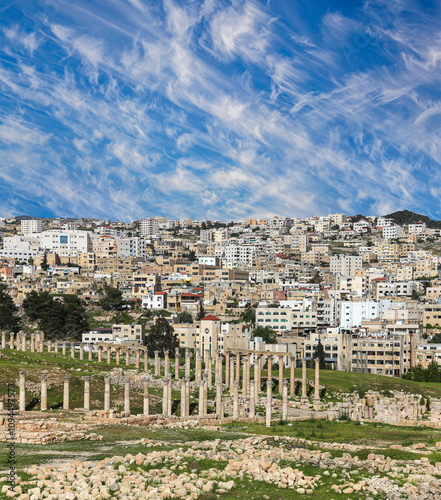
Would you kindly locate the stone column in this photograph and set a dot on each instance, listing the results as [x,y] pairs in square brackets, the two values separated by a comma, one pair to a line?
[81,351]
[164,396]
[231,376]
[169,396]
[22,386]
[127,356]
[157,365]
[138,358]
[210,372]
[109,355]
[219,399]
[187,364]
[244,378]
[49,347]
[317,381]
[198,376]
[177,363]
[72,350]
[206,356]
[32,342]
[187,394]
[270,368]
[11,341]
[280,375]
[106,393]
[146,385]
[117,355]
[127,395]
[292,387]
[4,340]
[304,396]
[285,400]
[252,412]
[23,342]
[227,370]
[238,367]
[248,372]
[183,399]
[66,392]
[43,377]
[64,348]
[87,393]
[166,363]
[56,347]
[41,347]
[90,352]
[258,374]
[218,370]
[146,360]
[201,398]
[236,400]
[269,402]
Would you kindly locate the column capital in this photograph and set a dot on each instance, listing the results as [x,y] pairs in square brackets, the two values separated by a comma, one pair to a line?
[23,372]
[66,378]
[43,376]
[86,379]
[285,382]
[269,383]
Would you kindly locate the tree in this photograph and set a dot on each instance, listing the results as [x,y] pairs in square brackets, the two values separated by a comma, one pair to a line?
[266,333]
[185,317]
[57,316]
[9,319]
[112,299]
[320,353]
[161,337]
[248,315]
[44,264]
[192,256]
[201,314]
[415,295]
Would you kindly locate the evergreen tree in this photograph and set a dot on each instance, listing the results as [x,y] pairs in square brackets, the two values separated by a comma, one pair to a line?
[162,336]
[201,314]
[320,353]
[267,334]
[248,315]
[44,264]
[112,299]
[9,319]
[185,317]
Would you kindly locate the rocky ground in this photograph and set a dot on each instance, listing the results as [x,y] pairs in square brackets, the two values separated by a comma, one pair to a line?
[294,468]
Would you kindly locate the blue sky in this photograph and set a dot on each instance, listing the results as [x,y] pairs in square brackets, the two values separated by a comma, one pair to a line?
[213,109]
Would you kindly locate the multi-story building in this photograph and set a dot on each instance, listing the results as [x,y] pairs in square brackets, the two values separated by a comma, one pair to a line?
[31,226]
[345,264]
[148,227]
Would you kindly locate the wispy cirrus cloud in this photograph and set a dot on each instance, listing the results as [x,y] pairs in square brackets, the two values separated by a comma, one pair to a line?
[219,108]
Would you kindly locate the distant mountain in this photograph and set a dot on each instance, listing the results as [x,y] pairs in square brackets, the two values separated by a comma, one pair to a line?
[407,217]
[25,217]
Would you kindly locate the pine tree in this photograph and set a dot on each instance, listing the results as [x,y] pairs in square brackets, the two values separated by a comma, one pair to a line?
[162,336]
[9,319]
[320,353]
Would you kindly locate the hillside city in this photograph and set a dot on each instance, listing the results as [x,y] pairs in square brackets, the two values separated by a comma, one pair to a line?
[366,288]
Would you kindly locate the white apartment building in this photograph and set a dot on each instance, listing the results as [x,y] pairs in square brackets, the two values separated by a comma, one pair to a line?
[417,228]
[21,247]
[392,232]
[148,227]
[156,300]
[353,313]
[66,243]
[240,254]
[345,265]
[132,247]
[31,226]
[383,222]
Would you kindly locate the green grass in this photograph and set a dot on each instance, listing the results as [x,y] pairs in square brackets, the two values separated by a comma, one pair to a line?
[343,432]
